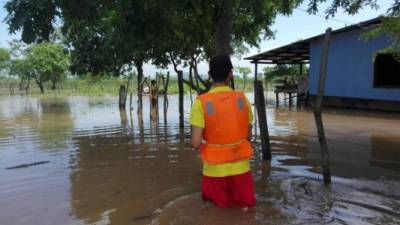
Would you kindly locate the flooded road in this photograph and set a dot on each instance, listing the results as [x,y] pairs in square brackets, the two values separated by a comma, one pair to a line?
[103,166]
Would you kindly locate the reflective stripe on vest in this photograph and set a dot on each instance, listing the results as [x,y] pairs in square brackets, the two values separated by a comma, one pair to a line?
[226,118]
[226,145]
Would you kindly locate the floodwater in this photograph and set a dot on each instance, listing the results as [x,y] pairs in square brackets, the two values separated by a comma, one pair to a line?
[102,166]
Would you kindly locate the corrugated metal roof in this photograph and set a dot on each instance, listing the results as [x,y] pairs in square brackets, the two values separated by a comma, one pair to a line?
[299,52]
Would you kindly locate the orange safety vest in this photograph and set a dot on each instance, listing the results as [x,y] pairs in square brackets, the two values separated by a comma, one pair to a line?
[226,116]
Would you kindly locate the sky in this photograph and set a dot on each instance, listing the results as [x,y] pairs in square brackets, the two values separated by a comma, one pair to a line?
[288,29]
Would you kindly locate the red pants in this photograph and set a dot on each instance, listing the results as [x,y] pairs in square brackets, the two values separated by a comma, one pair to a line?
[229,192]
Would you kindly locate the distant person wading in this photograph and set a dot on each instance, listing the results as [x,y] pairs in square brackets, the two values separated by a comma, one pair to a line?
[154,93]
[153,100]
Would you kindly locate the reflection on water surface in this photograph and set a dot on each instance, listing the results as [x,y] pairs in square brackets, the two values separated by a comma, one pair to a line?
[114,167]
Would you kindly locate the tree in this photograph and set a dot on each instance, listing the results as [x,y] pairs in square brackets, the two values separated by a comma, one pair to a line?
[4,58]
[390,26]
[22,69]
[106,36]
[49,62]
[283,71]
[244,71]
[34,18]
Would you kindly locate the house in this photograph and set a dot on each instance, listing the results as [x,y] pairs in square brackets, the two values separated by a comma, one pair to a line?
[358,74]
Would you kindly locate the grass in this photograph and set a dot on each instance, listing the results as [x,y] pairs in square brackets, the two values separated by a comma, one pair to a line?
[101,86]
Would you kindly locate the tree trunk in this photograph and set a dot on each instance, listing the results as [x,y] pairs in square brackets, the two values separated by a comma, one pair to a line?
[223,32]
[191,84]
[129,89]
[139,68]
[180,88]
[21,85]
[196,77]
[166,97]
[27,87]
[224,29]
[11,88]
[40,86]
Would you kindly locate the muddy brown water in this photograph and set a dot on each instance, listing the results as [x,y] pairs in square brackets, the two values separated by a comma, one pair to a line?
[107,167]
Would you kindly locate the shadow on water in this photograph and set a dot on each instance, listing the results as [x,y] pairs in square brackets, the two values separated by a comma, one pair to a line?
[110,166]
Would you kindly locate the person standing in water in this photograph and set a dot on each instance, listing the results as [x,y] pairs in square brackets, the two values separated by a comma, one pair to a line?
[153,93]
[221,128]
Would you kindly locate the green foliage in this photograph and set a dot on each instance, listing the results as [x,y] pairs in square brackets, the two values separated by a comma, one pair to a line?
[4,58]
[282,71]
[21,68]
[49,62]
[91,85]
[244,71]
[390,51]
[34,18]
[106,36]
[111,37]
[351,7]
[390,27]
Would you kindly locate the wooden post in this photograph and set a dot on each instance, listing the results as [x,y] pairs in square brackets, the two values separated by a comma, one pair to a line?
[262,117]
[166,97]
[299,96]
[255,71]
[124,118]
[122,96]
[130,84]
[180,86]
[325,161]
[139,68]
[277,98]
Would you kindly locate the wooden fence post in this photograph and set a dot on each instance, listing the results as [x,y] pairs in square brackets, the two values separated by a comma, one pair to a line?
[325,161]
[180,85]
[262,116]
[165,107]
[122,96]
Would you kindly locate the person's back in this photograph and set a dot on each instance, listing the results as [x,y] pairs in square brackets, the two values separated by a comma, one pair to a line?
[222,119]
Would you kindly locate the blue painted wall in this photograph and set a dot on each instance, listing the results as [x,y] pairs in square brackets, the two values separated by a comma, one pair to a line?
[350,71]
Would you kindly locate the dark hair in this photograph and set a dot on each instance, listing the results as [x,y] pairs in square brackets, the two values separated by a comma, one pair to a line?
[153,82]
[220,66]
